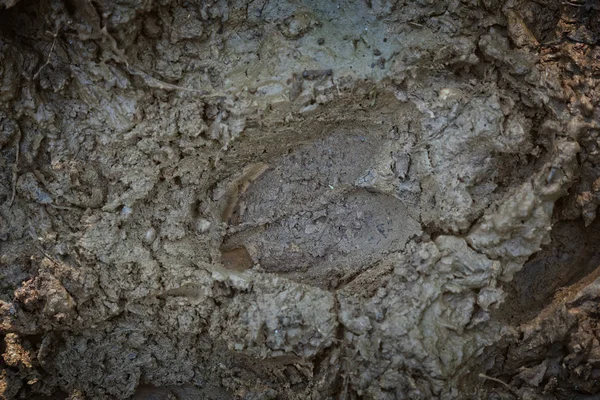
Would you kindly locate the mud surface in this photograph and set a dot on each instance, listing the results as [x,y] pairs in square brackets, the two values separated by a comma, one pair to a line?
[299,199]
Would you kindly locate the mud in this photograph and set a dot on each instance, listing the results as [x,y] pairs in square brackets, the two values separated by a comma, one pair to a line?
[299,199]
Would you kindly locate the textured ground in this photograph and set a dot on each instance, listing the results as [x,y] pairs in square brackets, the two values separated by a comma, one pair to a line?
[386,199]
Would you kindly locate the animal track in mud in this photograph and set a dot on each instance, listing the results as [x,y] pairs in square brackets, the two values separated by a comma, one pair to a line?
[309,216]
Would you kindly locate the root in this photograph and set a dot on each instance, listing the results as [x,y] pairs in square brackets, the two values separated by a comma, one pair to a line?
[15,169]
[506,385]
[120,57]
[55,35]
[152,82]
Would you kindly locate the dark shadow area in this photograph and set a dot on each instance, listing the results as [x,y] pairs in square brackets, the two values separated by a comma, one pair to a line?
[572,254]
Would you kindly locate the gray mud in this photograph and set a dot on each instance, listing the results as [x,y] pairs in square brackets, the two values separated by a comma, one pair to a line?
[299,199]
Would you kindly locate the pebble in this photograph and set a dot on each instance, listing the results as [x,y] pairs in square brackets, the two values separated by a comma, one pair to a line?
[150,236]
[126,212]
[202,225]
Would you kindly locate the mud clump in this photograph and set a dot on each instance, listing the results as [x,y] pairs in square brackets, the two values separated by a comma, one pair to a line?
[260,200]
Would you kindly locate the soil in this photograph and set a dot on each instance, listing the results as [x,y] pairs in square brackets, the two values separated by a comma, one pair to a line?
[299,199]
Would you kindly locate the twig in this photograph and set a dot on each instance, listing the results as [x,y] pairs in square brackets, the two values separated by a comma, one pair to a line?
[61,207]
[55,35]
[484,376]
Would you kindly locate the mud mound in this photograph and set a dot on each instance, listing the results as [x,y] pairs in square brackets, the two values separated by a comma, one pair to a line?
[291,200]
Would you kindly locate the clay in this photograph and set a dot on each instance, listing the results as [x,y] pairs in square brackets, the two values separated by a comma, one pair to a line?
[324,200]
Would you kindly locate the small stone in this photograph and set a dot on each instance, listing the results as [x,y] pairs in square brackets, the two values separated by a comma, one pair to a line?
[321,41]
[61,249]
[150,236]
[126,212]
[379,315]
[202,225]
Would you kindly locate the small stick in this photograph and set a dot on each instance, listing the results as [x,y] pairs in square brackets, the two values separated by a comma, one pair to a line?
[62,207]
[312,74]
[484,376]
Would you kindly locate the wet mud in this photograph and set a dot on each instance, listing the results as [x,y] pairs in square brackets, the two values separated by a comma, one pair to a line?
[299,199]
